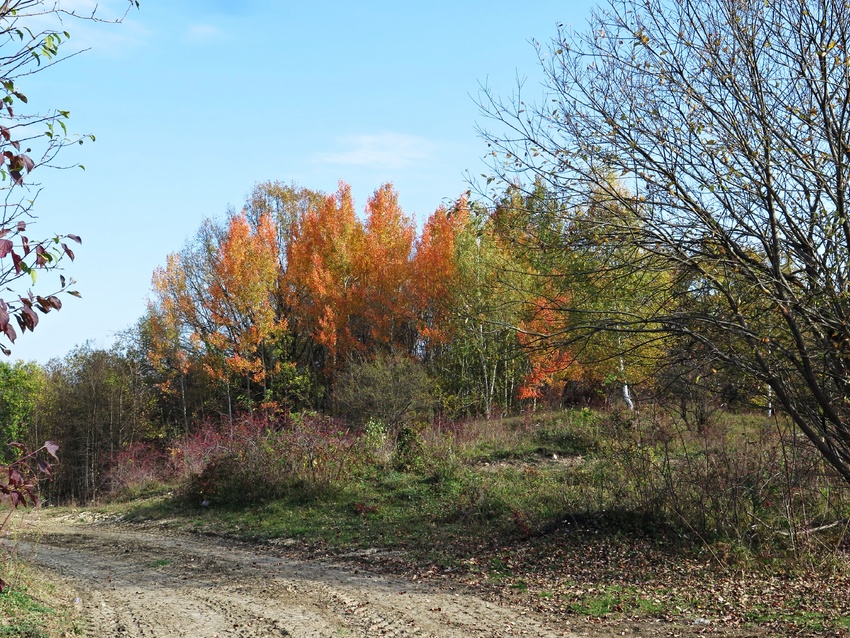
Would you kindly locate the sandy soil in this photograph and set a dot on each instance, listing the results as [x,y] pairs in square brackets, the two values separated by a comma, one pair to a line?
[130,582]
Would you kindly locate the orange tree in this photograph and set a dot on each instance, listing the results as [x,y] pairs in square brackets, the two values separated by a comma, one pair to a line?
[215,303]
[321,278]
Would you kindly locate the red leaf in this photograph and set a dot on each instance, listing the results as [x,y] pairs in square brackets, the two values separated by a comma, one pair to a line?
[15,478]
[28,316]
[44,466]
[3,585]
[68,252]
[16,259]
[5,247]
[75,238]
[44,304]
[22,226]
[26,243]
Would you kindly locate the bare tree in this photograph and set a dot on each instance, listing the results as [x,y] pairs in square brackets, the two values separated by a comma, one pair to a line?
[728,123]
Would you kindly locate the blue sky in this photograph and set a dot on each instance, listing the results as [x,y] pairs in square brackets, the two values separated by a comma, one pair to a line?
[194,102]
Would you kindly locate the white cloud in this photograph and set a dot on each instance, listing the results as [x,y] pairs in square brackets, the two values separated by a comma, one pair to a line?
[384,150]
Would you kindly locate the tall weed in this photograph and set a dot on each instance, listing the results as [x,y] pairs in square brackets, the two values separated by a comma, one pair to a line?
[754,481]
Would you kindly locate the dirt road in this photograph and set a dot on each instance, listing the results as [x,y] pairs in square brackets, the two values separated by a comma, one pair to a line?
[134,583]
[130,582]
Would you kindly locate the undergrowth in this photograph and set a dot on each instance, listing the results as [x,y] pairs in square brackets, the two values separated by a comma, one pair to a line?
[747,484]
[32,607]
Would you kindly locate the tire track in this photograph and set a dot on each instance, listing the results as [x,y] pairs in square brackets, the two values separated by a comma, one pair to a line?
[139,585]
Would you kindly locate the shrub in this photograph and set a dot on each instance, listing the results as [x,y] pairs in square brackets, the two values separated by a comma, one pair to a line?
[750,480]
[263,459]
[392,389]
[137,468]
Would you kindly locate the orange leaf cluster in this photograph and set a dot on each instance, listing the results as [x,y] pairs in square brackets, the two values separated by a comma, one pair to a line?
[548,362]
[362,287]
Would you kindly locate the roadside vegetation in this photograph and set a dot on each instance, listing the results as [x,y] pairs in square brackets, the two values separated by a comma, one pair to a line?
[33,607]
[576,513]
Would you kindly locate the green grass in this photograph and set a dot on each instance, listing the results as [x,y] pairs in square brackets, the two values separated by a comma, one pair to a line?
[606,600]
[25,614]
[598,605]
[425,513]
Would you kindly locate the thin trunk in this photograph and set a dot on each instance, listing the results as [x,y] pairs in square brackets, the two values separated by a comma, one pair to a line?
[229,410]
[183,402]
[627,395]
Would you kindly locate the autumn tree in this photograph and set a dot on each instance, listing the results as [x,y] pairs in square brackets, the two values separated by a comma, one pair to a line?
[286,205]
[351,281]
[241,301]
[436,276]
[384,275]
[576,290]
[476,353]
[320,278]
[728,122]
[217,304]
